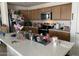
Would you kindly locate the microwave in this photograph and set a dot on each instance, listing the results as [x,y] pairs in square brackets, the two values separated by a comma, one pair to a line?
[46,16]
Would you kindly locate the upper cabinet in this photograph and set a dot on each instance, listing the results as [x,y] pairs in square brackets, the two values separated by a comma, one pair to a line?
[47,9]
[56,12]
[25,13]
[35,14]
[69,11]
[66,12]
[61,12]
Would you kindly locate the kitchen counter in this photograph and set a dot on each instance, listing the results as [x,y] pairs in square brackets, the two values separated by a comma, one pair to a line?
[31,48]
[59,30]
[61,34]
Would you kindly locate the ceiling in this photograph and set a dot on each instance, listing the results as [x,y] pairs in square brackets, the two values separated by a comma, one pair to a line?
[26,4]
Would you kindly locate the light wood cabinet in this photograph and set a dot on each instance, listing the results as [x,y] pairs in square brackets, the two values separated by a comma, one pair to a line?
[35,14]
[33,29]
[64,36]
[63,11]
[47,9]
[25,13]
[66,12]
[55,12]
[61,35]
[30,14]
[60,12]
[69,11]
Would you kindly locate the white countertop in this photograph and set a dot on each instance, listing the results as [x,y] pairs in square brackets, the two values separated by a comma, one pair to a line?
[31,48]
[59,30]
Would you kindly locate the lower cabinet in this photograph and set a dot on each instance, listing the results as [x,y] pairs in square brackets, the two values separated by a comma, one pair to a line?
[61,35]
[33,29]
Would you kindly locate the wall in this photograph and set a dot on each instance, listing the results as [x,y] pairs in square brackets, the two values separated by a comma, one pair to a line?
[17,7]
[64,23]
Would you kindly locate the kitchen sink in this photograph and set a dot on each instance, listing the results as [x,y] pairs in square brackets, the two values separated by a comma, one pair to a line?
[34,38]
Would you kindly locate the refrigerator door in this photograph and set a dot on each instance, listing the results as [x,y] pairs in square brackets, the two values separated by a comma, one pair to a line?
[77,44]
[77,23]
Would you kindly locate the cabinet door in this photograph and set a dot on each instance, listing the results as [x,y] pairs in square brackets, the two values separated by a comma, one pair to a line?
[52,33]
[60,35]
[69,10]
[56,12]
[25,13]
[64,36]
[34,30]
[29,14]
[35,14]
[39,12]
[47,9]
[63,12]
[66,12]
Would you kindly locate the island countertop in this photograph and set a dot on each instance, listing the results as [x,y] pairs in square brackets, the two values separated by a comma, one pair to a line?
[30,48]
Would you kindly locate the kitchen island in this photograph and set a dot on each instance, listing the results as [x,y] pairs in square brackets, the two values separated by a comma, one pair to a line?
[30,48]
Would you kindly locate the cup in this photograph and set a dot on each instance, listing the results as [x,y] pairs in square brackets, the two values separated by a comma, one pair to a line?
[55,41]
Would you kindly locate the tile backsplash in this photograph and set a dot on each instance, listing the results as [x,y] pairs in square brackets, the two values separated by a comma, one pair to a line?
[63,23]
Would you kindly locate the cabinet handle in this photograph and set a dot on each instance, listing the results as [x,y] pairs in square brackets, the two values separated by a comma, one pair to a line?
[72,16]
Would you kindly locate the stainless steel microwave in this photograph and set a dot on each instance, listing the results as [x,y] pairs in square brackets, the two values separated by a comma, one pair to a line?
[46,16]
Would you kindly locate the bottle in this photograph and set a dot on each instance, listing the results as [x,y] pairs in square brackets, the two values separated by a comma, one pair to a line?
[55,39]
[41,34]
[31,37]
[30,34]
